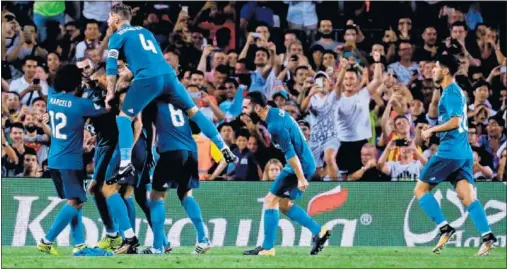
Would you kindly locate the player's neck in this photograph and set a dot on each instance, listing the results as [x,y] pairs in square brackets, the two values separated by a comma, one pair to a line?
[447,81]
[123,23]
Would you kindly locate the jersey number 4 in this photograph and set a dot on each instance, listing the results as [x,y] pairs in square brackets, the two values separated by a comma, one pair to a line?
[147,44]
[55,130]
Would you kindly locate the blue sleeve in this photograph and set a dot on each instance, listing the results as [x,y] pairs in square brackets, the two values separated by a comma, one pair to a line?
[237,104]
[91,109]
[247,10]
[454,105]
[282,137]
[114,46]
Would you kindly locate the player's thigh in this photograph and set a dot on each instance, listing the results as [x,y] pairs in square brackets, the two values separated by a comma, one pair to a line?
[73,184]
[140,93]
[463,172]
[102,158]
[285,185]
[438,170]
[176,93]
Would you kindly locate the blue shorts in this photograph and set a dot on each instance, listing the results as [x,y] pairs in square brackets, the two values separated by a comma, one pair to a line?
[102,159]
[139,156]
[286,185]
[69,184]
[142,91]
[176,169]
[440,169]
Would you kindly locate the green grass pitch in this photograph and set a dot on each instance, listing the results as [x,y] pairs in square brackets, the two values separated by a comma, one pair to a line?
[288,257]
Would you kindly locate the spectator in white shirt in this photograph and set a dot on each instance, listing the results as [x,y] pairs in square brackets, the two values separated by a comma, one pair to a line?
[406,169]
[92,40]
[29,86]
[405,69]
[302,15]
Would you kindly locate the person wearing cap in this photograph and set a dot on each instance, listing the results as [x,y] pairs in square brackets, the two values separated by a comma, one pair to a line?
[280,98]
[322,104]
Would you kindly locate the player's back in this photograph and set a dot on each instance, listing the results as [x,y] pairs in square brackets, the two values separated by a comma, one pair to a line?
[104,125]
[67,117]
[173,129]
[141,50]
[286,132]
[454,143]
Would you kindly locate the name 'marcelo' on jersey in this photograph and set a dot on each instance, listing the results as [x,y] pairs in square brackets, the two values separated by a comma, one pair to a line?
[454,143]
[67,118]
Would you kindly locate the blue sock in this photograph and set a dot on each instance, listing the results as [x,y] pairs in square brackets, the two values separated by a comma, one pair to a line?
[430,205]
[302,218]
[479,217]
[131,209]
[62,219]
[194,213]
[271,218]
[100,202]
[77,228]
[208,129]
[157,211]
[118,209]
[126,137]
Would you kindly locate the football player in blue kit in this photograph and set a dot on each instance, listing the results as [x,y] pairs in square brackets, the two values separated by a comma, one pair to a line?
[153,77]
[67,117]
[453,160]
[291,182]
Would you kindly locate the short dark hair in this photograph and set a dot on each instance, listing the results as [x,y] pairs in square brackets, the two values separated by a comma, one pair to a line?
[219,128]
[123,10]
[257,98]
[400,117]
[71,23]
[91,21]
[233,81]
[194,86]
[18,125]
[224,69]
[450,62]
[15,93]
[349,27]
[197,72]
[39,99]
[243,132]
[459,24]
[300,67]
[329,52]
[29,151]
[325,19]
[31,58]
[498,119]
[264,50]
[68,78]
[30,23]
[481,83]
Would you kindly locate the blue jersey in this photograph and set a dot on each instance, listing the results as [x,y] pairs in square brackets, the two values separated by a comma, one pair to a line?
[287,137]
[141,50]
[67,117]
[454,143]
[173,129]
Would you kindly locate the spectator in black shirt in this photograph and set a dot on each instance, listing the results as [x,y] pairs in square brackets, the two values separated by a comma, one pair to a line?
[369,170]
[428,52]
[14,166]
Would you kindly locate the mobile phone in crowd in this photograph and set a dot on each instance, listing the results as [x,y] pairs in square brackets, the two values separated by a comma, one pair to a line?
[195,95]
[184,9]
[36,81]
[401,142]
[320,82]
[503,69]
[256,35]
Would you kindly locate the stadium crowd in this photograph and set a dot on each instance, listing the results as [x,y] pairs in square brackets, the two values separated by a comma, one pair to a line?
[313,59]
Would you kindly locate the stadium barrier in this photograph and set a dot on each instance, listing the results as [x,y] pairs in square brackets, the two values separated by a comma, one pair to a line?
[359,214]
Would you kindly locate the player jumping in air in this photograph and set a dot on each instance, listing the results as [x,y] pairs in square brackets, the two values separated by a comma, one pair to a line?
[291,182]
[153,77]
[176,168]
[68,113]
[453,160]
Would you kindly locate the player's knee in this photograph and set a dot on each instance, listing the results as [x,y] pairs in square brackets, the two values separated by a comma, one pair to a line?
[128,192]
[271,201]
[183,193]
[76,203]
[109,190]
[123,114]
[285,205]
[420,190]
[157,195]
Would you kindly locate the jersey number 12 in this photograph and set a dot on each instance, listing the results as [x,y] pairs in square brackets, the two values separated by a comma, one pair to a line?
[55,130]
[147,44]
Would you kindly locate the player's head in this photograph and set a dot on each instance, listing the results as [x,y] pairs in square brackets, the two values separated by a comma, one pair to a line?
[258,104]
[447,65]
[68,78]
[242,137]
[119,14]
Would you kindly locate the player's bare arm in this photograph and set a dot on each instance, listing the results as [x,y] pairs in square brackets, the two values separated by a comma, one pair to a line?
[451,124]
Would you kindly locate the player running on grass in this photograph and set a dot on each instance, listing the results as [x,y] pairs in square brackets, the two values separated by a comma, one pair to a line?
[453,160]
[68,113]
[153,77]
[176,168]
[291,182]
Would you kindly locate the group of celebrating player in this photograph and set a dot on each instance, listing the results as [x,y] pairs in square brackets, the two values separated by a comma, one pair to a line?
[147,93]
